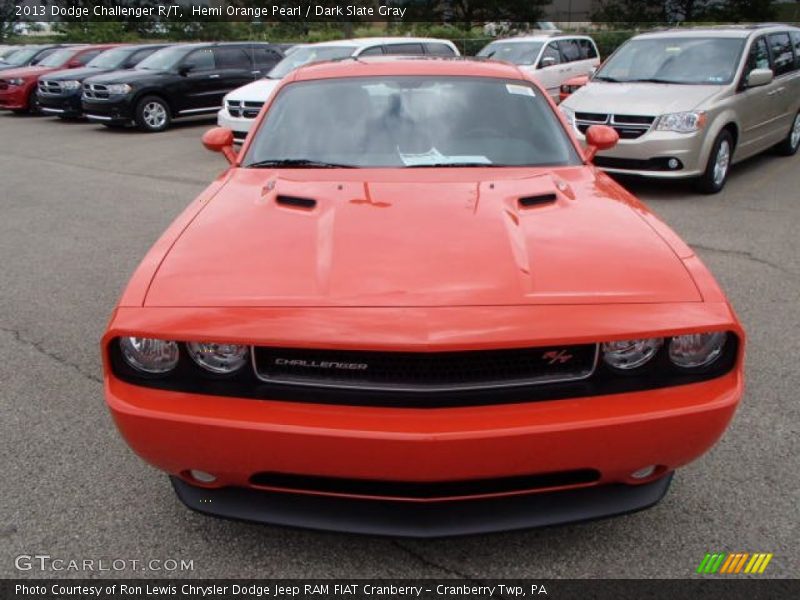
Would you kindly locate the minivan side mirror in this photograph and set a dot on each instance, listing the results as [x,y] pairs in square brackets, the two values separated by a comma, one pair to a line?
[220,139]
[547,61]
[600,137]
[759,77]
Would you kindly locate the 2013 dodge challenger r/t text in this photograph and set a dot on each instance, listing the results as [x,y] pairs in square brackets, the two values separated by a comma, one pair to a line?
[412,306]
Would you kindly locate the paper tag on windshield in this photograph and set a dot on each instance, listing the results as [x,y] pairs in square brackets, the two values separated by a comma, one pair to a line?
[520,90]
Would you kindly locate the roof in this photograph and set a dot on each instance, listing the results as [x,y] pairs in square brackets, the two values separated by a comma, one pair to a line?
[377,66]
[376,41]
[719,31]
[541,37]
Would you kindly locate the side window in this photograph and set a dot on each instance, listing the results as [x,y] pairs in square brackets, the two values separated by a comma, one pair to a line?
[588,49]
[439,50]
[550,52]
[264,56]
[374,51]
[570,50]
[200,60]
[42,55]
[137,57]
[87,56]
[759,56]
[404,49]
[780,47]
[231,57]
[796,44]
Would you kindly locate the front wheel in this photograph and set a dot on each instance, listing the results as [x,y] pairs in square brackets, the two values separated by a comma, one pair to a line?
[719,163]
[790,144]
[152,114]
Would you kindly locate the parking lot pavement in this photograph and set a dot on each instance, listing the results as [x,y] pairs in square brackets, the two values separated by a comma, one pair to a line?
[81,204]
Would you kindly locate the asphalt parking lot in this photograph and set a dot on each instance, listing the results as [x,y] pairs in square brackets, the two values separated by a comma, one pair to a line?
[80,206]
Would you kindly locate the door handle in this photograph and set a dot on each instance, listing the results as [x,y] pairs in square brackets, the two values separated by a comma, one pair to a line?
[214,76]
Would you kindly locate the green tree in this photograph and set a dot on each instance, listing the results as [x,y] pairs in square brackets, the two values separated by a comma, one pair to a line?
[8,18]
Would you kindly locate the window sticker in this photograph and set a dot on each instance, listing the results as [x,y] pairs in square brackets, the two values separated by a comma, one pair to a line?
[520,90]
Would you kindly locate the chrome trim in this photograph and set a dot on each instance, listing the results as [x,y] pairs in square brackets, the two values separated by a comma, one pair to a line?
[98,118]
[195,110]
[51,110]
[428,388]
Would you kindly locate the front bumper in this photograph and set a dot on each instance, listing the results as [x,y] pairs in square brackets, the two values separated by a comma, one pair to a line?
[239,125]
[61,105]
[398,519]
[113,110]
[14,98]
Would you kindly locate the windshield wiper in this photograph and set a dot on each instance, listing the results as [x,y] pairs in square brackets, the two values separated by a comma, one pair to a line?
[451,164]
[651,80]
[297,163]
[606,78]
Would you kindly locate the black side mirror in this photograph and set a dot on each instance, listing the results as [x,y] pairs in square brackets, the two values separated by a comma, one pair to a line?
[184,70]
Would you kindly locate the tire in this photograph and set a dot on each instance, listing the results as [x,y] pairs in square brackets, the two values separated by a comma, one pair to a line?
[152,114]
[719,164]
[790,144]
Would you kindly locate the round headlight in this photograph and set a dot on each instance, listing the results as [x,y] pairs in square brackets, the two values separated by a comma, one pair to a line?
[696,349]
[218,358]
[629,354]
[149,355]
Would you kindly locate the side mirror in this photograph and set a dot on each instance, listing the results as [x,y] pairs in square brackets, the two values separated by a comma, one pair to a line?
[74,64]
[759,77]
[547,61]
[184,70]
[220,139]
[592,71]
[600,137]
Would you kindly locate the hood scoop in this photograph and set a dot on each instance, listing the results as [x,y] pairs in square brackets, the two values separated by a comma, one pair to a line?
[295,202]
[537,200]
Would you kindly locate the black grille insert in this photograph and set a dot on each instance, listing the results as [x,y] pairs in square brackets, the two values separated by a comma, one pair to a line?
[424,371]
[424,490]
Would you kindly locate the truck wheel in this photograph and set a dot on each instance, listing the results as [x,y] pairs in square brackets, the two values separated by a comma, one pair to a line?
[152,114]
[718,166]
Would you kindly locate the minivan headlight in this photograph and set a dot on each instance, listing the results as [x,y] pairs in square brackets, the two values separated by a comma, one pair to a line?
[569,114]
[682,122]
[696,349]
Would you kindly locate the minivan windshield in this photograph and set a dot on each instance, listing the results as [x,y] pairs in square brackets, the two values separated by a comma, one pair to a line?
[686,60]
[110,59]
[410,122]
[308,54]
[518,53]
[164,59]
[58,58]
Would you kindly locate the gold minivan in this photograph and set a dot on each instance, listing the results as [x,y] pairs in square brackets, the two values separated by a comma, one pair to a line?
[689,103]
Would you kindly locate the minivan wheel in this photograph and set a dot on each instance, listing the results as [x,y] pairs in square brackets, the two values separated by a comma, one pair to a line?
[719,163]
[152,114]
[790,144]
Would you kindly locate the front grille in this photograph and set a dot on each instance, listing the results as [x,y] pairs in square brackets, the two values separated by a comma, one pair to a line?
[424,371]
[241,108]
[628,127]
[3,84]
[50,88]
[95,91]
[660,163]
[423,490]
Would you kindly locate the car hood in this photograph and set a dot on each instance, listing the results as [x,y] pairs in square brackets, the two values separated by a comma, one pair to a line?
[75,74]
[26,72]
[127,76]
[639,98]
[419,237]
[258,91]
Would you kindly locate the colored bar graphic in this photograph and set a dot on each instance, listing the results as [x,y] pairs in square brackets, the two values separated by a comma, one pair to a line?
[734,563]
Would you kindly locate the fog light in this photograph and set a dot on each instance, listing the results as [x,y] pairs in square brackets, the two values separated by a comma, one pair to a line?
[644,472]
[202,476]
[673,163]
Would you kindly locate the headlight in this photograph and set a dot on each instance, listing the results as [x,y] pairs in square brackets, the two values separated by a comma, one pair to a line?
[570,89]
[119,89]
[629,354]
[696,349]
[218,358]
[570,116]
[683,122]
[71,85]
[16,81]
[149,355]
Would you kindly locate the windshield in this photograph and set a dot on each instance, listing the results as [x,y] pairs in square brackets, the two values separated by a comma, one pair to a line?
[164,59]
[406,121]
[308,54]
[21,57]
[518,53]
[58,58]
[110,59]
[687,60]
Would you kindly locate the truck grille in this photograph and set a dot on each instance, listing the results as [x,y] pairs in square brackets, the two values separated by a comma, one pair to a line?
[424,371]
[95,91]
[49,88]
[240,108]
[629,127]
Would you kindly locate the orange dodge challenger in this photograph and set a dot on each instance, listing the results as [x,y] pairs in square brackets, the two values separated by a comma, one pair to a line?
[411,306]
